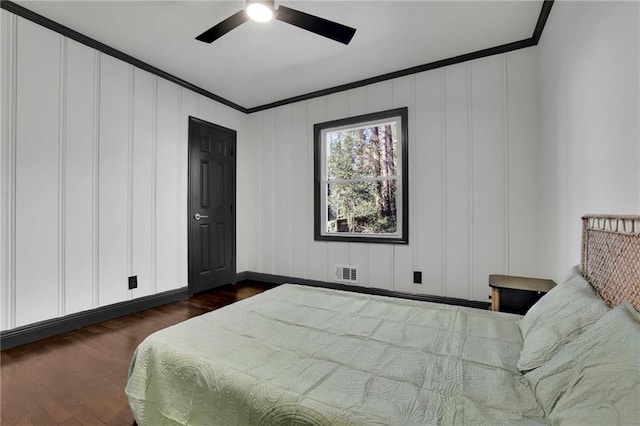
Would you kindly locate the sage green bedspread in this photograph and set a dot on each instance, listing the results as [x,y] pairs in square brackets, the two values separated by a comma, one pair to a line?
[311,356]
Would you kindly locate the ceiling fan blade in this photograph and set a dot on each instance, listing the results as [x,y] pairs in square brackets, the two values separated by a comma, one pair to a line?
[223,27]
[324,27]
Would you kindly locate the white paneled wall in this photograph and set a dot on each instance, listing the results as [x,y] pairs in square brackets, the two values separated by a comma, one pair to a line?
[37,172]
[317,251]
[488,183]
[143,255]
[94,176]
[113,168]
[473,181]
[80,165]
[522,148]
[167,200]
[458,166]
[8,73]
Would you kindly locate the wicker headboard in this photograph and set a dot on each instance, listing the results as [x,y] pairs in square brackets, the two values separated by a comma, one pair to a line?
[611,257]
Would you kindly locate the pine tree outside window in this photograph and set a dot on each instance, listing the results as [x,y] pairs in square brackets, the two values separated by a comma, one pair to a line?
[361,185]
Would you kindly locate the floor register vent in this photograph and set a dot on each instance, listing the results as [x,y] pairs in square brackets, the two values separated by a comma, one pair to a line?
[347,274]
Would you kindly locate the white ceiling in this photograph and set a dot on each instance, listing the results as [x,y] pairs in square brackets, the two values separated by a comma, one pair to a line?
[256,64]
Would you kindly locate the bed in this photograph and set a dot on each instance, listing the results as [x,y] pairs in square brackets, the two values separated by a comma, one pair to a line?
[304,355]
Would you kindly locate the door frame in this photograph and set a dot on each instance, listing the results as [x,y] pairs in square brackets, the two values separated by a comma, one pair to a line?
[190,224]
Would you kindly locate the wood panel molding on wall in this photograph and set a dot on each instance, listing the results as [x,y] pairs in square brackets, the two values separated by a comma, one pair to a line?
[130,163]
[470,145]
[8,173]
[154,190]
[93,179]
[505,149]
[95,187]
[62,149]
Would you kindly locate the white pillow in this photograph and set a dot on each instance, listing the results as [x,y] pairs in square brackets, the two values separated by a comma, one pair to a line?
[595,379]
[557,318]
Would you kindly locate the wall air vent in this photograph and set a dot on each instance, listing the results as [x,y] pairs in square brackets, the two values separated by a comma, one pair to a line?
[347,274]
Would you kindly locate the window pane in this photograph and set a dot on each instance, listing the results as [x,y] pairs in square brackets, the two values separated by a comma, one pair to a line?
[362,207]
[362,152]
[360,178]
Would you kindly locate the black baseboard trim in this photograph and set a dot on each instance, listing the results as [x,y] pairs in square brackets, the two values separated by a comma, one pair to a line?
[241,276]
[281,279]
[41,330]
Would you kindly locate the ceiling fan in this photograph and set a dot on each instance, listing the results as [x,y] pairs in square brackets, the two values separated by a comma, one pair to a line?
[264,10]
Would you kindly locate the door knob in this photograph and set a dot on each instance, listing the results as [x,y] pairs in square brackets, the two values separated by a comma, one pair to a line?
[197,216]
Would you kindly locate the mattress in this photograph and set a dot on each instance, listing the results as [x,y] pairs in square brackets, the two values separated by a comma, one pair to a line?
[313,356]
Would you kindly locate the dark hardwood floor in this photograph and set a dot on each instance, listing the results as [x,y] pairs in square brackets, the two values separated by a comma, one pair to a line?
[78,378]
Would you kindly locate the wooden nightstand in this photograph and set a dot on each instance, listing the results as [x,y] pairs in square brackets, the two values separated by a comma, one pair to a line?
[516,294]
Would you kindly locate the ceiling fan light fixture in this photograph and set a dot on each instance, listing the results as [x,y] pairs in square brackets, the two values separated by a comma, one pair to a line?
[260,11]
[265,10]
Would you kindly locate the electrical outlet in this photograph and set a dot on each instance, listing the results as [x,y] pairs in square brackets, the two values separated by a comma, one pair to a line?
[417,277]
[133,282]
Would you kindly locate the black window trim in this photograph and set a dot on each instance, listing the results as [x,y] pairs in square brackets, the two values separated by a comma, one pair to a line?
[317,183]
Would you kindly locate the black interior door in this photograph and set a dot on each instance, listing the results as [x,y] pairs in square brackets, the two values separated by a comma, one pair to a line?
[212,194]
